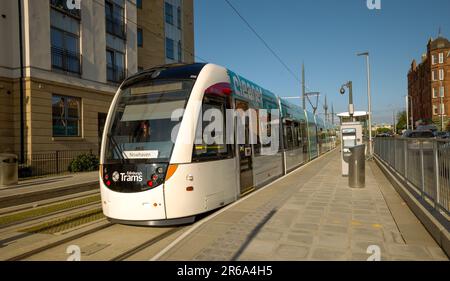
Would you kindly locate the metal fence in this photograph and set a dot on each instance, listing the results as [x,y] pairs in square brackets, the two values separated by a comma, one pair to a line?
[424,164]
[49,163]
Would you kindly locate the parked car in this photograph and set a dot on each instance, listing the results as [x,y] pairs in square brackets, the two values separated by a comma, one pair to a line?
[384,135]
[419,134]
[431,128]
[442,135]
[406,133]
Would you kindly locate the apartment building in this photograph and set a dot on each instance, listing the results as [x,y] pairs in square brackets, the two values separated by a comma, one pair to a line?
[72,62]
[165,32]
[429,84]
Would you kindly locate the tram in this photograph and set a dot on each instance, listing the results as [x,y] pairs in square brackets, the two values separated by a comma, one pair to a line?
[158,168]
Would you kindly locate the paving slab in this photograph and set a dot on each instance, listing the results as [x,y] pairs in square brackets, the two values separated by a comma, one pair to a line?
[312,214]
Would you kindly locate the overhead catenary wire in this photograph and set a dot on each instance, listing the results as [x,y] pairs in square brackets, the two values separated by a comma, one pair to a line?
[262,40]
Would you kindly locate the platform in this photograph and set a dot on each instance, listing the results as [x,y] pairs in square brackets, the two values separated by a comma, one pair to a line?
[311,214]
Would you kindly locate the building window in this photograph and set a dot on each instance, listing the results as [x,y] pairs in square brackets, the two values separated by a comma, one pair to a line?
[66,112]
[433,77]
[434,93]
[115,61]
[441,74]
[180,52]
[179,17]
[115,18]
[169,13]
[441,57]
[169,49]
[433,59]
[140,37]
[65,42]
[139,4]
[442,92]
[435,110]
[442,112]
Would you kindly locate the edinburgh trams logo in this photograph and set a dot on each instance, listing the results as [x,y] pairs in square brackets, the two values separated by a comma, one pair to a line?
[115,176]
[128,176]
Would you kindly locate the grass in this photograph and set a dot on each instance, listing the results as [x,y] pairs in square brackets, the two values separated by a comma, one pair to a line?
[59,225]
[45,210]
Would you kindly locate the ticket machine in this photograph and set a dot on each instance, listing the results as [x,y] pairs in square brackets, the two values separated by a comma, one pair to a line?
[351,134]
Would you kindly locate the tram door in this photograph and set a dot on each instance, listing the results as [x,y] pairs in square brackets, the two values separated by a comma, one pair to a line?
[244,150]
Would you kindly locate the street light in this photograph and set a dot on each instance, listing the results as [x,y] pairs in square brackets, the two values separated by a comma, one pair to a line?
[351,107]
[366,54]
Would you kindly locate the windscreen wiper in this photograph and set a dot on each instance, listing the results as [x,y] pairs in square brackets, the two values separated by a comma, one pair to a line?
[117,148]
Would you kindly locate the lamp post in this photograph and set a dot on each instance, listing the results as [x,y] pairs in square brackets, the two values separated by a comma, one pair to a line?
[351,107]
[366,54]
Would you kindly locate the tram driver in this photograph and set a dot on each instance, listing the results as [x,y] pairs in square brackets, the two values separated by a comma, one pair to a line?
[143,132]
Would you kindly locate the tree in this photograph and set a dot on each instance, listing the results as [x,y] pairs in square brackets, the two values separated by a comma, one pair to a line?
[401,123]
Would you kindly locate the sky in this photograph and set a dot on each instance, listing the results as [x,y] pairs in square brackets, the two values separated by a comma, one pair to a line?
[325,35]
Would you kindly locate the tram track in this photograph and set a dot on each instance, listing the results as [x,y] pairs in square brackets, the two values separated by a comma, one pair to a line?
[146,244]
[63,241]
[13,220]
[30,197]
[46,202]
[23,223]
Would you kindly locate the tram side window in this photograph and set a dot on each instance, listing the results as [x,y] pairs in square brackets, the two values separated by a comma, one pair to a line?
[288,136]
[304,135]
[268,123]
[295,135]
[203,150]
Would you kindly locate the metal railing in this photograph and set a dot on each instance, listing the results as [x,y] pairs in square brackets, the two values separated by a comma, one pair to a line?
[49,163]
[423,164]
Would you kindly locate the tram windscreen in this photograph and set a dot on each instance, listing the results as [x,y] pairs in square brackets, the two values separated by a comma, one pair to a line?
[141,125]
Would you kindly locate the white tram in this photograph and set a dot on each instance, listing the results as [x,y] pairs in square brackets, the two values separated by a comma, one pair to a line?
[156,169]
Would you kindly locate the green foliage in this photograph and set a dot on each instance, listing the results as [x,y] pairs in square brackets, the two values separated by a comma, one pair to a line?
[401,123]
[84,163]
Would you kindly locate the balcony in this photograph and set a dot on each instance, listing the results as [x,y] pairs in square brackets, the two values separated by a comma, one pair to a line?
[65,60]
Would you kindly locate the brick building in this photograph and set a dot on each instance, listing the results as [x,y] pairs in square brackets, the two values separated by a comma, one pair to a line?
[429,84]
